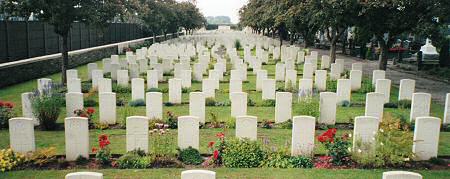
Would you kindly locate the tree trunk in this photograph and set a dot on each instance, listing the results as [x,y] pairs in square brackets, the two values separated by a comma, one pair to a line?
[65,59]
[382,59]
[333,50]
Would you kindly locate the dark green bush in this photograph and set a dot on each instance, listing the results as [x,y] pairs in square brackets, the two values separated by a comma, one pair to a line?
[172,120]
[331,85]
[268,103]
[121,102]
[237,44]
[345,103]
[121,89]
[281,160]
[154,90]
[185,90]
[137,103]
[404,104]
[190,156]
[366,87]
[47,108]
[250,102]
[301,162]
[86,87]
[243,154]
[309,107]
[390,105]
[90,102]
[168,104]
[210,102]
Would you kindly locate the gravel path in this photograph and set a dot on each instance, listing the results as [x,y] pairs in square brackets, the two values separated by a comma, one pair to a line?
[437,89]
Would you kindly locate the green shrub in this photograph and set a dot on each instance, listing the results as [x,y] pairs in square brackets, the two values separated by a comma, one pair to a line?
[404,104]
[268,103]
[210,102]
[121,89]
[47,108]
[309,107]
[242,154]
[284,125]
[190,156]
[121,102]
[237,44]
[366,87]
[392,146]
[185,90]
[135,159]
[250,102]
[172,120]
[88,102]
[168,104]
[345,103]
[154,90]
[137,103]
[390,105]
[301,162]
[331,85]
[86,87]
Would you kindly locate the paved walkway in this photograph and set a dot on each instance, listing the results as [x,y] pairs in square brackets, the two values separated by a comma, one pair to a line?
[437,89]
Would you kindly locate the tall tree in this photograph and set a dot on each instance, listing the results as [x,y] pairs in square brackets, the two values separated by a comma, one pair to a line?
[387,19]
[334,17]
[300,21]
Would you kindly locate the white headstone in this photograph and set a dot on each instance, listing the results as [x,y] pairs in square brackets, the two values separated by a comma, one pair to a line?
[356,78]
[74,101]
[96,76]
[152,79]
[137,133]
[76,137]
[246,127]
[21,134]
[343,90]
[91,67]
[280,70]
[305,88]
[107,108]
[426,138]
[74,85]
[303,132]
[268,89]
[154,108]
[198,174]
[291,78]
[378,74]
[420,105]
[308,71]
[188,132]
[357,66]
[260,76]
[71,73]
[175,91]
[84,175]
[374,105]
[197,105]
[44,85]
[137,89]
[320,80]
[401,175]
[104,85]
[407,88]
[283,106]
[384,86]
[27,106]
[447,109]
[238,104]
[208,87]
[325,64]
[327,108]
[123,78]
[186,78]
[364,133]
[334,72]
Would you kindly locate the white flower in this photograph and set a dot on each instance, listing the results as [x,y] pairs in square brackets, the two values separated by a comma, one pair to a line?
[373,138]
[381,143]
[406,159]
[349,135]
[349,149]
[359,150]
[381,130]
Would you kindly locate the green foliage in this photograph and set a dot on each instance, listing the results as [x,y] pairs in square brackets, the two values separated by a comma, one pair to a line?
[210,102]
[86,87]
[250,102]
[366,87]
[404,104]
[268,103]
[392,146]
[185,90]
[81,160]
[121,89]
[284,125]
[190,156]
[242,154]
[89,102]
[309,107]
[47,108]
[121,102]
[137,103]
[10,160]
[172,120]
[42,156]
[281,160]
[390,105]
[135,159]
[331,85]
[237,44]
[154,90]
[161,143]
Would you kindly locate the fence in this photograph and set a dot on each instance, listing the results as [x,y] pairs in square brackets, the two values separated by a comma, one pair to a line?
[20,39]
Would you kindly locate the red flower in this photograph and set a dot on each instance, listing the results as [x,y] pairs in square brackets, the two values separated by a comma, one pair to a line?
[94,149]
[220,135]
[83,115]
[9,104]
[216,154]
[90,111]
[103,137]
[211,144]
[2,103]
[103,141]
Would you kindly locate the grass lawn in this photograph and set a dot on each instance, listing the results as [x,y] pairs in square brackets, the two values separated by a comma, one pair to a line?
[254,173]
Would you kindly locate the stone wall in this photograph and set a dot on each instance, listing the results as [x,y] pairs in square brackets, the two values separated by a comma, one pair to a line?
[48,65]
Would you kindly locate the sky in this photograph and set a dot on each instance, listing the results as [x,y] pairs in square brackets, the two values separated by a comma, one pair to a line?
[228,8]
